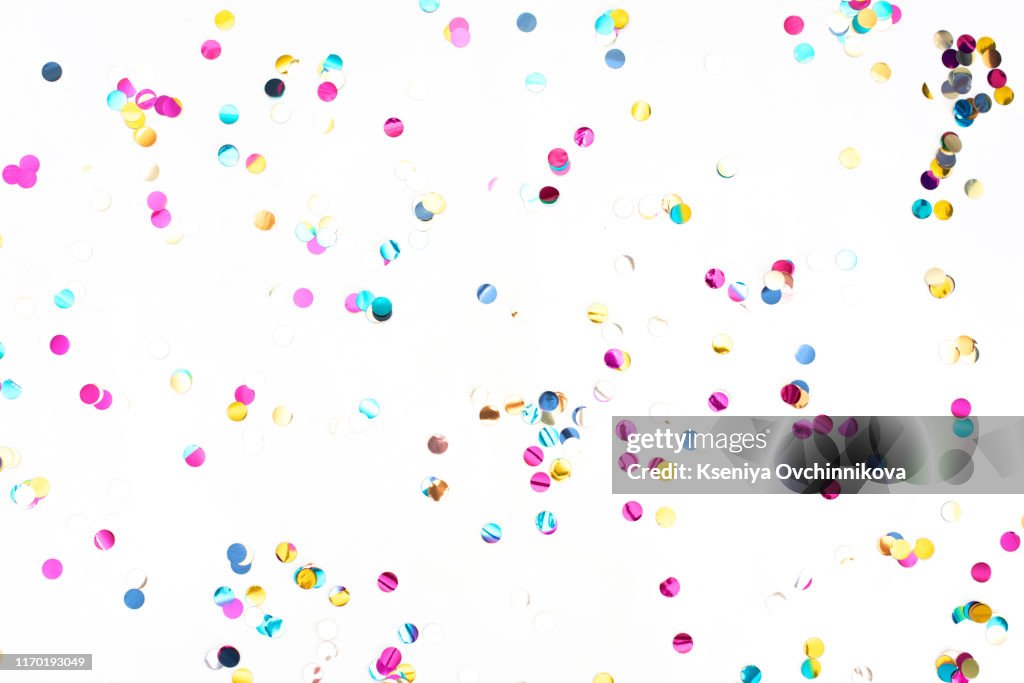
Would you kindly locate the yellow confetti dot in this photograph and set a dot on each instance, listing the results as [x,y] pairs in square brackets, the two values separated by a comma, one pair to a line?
[934,276]
[434,203]
[407,672]
[283,63]
[256,595]
[561,469]
[256,164]
[41,486]
[943,210]
[900,549]
[849,158]
[641,111]
[985,44]
[814,648]
[1,240]
[237,411]
[264,220]
[181,381]
[282,416]
[721,344]
[620,17]
[224,20]
[145,136]
[974,189]
[944,289]
[965,345]
[340,598]
[286,552]
[597,313]
[305,579]
[881,72]
[603,678]
[665,517]
[241,676]
[1003,95]
[924,548]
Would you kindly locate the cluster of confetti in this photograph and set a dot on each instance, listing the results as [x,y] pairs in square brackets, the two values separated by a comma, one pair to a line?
[133,105]
[963,349]
[30,492]
[239,408]
[778,283]
[898,548]
[940,284]
[95,396]
[607,28]
[22,174]
[794,26]
[457,32]
[856,19]
[814,648]
[956,667]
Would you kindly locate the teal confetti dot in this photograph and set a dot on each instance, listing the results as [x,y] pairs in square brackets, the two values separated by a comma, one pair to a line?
[64,299]
[804,53]
[536,82]
[369,407]
[490,533]
[963,428]
[10,389]
[228,155]
[381,310]
[228,114]
[922,208]
[430,6]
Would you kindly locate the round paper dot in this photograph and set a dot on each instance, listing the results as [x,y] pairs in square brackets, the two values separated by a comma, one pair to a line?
[393,127]
[849,158]
[255,164]
[59,345]
[52,72]
[210,49]
[228,114]
[103,539]
[881,72]
[526,22]
[804,53]
[303,298]
[981,572]
[805,354]
[614,59]
[950,511]
[536,82]
[640,111]
[134,598]
[665,517]
[793,25]
[486,293]
[52,569]
[224,20]
[974,188]
[682,643]
[1009,542]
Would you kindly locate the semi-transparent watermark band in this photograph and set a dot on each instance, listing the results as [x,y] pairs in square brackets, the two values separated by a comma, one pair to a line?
[825,455]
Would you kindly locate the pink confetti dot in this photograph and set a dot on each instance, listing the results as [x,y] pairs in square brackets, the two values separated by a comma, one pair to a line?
[104,539]
[794,25]
[583,137]
[244,394]
[908,561]
[105,402]
[195,456]
[458,23]
[26,178]
[981,572]
[897,14]
[682,643]
[161,218]
[52,569]
[351,304]
[460,37]
[393,127]
[59,345]
[669,587]
[210,49]
[89,394]
[233,609]
[960,408]
[303,298]
[145,98]
[718,401]
[540,482]
[533,456]
[387,582]
[167,106]
[125,86]
[327,91]
[156,201]
[632,511]
[315,248]
[11,173]
[1009,541]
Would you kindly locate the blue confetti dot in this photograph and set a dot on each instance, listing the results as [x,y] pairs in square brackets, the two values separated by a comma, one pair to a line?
[802,384]
[548,401]
[52,71]
[364,299]
[771,296]
[228,155]
[228,114]
[805,354]
[491,533]
[241,568]
[486,293]
[548,437]
[804,53]
[116,100]
[750,674]
[134,598]
[922,208]
[422,213]
[2,350]
[568,433]
[963,428]
[614,58]
[526,22]
[236,553]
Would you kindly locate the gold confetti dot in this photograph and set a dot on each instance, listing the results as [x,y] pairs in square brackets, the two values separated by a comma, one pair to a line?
[237,411]
[264,220]
[943,210]
[721,344]
[597,313]
[814,648]
[924,548]
[282,416]
[849,158]
[1003,95]
[881,72]
[974,188]
[561,469]
[926,91]
[641,111]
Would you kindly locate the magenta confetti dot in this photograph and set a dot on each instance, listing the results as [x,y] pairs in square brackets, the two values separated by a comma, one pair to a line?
[460,37]
[315,248]
[29,162]
[718,401]
[624,428]
[929,180]
[557,158]
[669,587]
[909,561]
[627,460]
[11,173]
[682,643]
[849,427]
[233,609]
[89,394]
[790,394]
[897,14]
[794,25]
[146,98]
[802,429]
[104,539]
[540,482]
[26,178]
[393,127]
[52,569]
[583,137]
[105,401]
[389,661]
[784,266]
[1009,541]
[125,86]
[831,490]
[303,298]
[960,408]
[194,456]
[981,572]
[655,463]
[210,49]
[244,394]
[352,303]
[533,456]
[161,218]
[632,511]
[327,91]
[997,78]
[156,201]
[714,278]
[59,345]
[614,358]
[823,424]
[387,582]
[457,23]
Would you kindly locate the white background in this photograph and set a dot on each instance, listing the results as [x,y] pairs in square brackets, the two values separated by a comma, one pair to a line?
[351,503]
